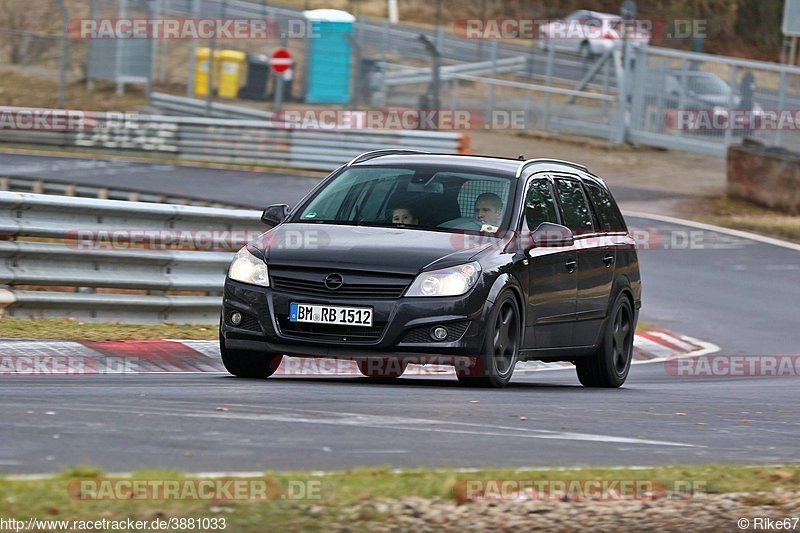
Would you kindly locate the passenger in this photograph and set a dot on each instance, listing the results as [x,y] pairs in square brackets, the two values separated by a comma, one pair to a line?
[489,209]
[405,215]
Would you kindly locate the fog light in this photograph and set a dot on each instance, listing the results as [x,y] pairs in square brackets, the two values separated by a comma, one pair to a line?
[439,333]
[236,318]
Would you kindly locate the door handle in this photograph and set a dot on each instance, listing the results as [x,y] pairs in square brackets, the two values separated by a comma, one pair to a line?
[571,264]
[608,260]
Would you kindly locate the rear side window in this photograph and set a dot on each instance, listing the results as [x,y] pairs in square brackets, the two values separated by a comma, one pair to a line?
[539,204]
[608,214]
[577,216]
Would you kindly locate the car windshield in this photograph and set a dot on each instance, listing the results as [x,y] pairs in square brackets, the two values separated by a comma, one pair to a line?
[707,85]
[418,197]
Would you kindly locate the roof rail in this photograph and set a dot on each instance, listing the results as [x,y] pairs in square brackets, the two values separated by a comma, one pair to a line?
[378,153]
[546,160]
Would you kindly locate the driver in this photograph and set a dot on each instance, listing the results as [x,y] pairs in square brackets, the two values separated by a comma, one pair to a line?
[489,209]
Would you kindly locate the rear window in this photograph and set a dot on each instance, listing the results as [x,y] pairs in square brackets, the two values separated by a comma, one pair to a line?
[577,216]
[607,212]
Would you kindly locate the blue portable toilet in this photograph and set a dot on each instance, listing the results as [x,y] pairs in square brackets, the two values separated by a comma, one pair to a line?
[328,56]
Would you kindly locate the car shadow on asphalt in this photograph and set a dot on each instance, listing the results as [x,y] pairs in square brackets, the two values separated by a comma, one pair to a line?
[436,382]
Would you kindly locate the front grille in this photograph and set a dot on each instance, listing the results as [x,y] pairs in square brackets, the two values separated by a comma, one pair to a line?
[329,332]
[311,282]
[455,330]
[248,322]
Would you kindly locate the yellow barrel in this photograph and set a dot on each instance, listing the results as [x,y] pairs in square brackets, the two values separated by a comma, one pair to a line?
[230,69]
[201,71]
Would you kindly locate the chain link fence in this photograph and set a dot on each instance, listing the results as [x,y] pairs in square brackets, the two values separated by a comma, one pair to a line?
[674,99]
[705,103]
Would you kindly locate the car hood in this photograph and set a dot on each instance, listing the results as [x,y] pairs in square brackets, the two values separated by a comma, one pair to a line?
[399,250]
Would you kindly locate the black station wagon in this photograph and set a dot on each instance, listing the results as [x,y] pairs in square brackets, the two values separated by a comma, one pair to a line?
[405,257]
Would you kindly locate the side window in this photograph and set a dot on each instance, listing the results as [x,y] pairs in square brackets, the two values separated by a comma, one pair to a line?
[607,212]
[539,204]
[577,216]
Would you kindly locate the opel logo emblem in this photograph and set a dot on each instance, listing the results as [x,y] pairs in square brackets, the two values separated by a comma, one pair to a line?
[334,281]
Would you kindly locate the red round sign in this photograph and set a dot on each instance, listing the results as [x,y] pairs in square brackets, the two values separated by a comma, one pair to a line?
[281,60]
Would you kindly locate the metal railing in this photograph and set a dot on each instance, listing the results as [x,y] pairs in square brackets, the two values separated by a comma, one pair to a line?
[181,105]
[704,103]
[411,75]
[16,183]
[260,142]
[115,261]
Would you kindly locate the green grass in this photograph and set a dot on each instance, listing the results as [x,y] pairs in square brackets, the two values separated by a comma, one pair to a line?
[50,498]
[72,330]
[737,214]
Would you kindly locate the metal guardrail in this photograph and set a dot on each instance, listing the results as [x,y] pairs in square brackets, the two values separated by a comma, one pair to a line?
[409,75]
[47,186]
[181,105]
[261,142]
[96,250]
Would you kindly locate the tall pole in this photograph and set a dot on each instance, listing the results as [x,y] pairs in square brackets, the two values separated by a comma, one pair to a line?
[62,78]
[436,56]
[190,83]
[211,62]
[279,81]
[393,15]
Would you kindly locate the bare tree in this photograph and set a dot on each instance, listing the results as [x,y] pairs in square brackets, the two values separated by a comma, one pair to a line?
[25,27]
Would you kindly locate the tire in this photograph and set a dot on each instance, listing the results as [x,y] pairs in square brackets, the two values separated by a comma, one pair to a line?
[388,369]
[609,366]
[496,364]
[247,364]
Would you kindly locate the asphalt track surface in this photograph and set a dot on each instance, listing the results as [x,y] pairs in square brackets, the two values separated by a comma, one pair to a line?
[235,187]
[737,293]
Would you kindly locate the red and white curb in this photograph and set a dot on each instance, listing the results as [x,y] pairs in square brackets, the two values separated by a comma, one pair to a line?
[19,357]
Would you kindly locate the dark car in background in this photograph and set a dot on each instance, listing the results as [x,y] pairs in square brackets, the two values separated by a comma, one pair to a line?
[700,92]
[405,257]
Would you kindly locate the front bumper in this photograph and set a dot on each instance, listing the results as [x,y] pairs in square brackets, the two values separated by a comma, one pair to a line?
[401,325]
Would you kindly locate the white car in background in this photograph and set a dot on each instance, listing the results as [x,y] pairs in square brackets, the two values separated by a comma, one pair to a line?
[591,33]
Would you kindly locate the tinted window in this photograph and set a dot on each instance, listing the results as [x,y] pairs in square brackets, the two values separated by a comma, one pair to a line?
[607,213]
[577,216]
[539,204]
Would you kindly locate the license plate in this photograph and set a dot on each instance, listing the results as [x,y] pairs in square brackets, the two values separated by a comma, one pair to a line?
[330,314]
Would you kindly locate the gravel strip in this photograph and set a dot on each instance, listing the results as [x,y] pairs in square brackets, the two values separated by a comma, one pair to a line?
[705,512]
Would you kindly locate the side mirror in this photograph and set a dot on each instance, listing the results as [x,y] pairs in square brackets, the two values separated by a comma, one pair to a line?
[275,214]
[549,235]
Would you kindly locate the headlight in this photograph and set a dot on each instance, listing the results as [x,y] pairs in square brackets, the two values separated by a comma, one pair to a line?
[248,268]
[453,281]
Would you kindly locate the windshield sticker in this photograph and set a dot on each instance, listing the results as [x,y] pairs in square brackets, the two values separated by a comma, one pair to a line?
[312,214]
